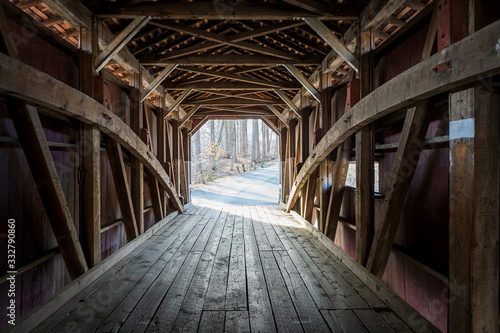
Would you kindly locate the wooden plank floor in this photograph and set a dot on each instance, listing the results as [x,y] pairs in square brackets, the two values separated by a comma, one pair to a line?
[227,269]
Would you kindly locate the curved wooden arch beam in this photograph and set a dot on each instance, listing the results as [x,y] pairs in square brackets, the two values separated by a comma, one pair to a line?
[471,59]
[25,82]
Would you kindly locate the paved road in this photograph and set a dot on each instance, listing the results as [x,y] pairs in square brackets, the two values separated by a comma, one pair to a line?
[258,187]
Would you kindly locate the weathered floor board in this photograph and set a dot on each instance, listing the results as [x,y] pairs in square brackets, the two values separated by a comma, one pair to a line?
[227,269]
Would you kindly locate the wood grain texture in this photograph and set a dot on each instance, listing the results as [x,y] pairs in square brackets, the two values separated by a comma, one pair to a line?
[171,282]
[399,93]
[66,100]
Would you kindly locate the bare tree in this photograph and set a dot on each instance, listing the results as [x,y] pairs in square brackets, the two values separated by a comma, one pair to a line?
[255,141]
[243,137]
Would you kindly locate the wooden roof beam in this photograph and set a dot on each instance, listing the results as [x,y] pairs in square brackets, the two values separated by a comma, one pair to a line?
[278,114]
[232,101]
[225,86]
[213,37]
[224,75]
[215,10]
[120,41]
[288,101]
[320,7]
[269,29]
[189,115]
[178,101]
[199,125]
[377,12]
[157,81]
[237,60]
[329,37]
[304,81]
[270,125]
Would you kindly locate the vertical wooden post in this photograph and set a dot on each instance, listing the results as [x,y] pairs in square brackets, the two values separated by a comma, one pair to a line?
[137,168]
[175,155]
[304,151]
[284,171]
[160,124]
[325,167]
[90,153]
[186,157]
[474,211]
[365,158]
[291,151]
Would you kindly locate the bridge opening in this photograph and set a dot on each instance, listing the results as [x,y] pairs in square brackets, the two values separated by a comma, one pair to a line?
[235,162]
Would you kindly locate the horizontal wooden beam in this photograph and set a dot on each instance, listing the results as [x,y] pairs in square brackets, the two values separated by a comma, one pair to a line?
[399,93]
[226,86]
[213,37]
[231,59]
[320,7]
[54,95]
[214,10]
[234,77]
[234,113]
[232,101]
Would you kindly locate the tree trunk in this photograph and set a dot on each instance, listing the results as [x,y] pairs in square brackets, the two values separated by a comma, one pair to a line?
[255,141]
[212,141]
[197,148]
[229,140]
[243,138]
[233,143]
[264,142]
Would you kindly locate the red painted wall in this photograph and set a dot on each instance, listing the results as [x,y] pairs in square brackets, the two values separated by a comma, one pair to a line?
[19,197]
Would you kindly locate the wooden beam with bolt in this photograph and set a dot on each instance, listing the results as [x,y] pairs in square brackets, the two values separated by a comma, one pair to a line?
[329,37]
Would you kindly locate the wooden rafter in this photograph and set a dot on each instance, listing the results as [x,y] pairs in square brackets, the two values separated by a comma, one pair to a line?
[157,81]
[304,81]
[234,77]
[288,101]
[120,41]
[337,45]
[239,60]
[218,11]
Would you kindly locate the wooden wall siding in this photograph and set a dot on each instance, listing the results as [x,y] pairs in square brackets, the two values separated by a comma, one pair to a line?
[21,201]
[346,236]
[424,224]
[20,198]
[117,100]
[400,58]
[423,230]
[46,57]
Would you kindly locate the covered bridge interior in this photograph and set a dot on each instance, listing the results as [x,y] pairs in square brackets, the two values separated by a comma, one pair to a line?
[99,100]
